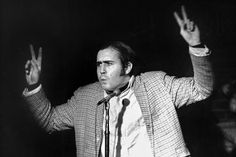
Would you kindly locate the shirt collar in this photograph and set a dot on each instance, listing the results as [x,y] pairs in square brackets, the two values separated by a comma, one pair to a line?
[131,82]
[126,87]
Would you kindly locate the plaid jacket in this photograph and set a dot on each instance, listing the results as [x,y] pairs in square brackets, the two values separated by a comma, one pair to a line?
[158,95]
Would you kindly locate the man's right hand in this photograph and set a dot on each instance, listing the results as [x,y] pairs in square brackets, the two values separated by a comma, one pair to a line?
[33,67]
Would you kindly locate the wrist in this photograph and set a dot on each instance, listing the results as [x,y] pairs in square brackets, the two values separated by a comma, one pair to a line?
[32,86]
[200,45]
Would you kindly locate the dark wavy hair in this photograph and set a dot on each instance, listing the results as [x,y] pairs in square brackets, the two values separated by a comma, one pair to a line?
[126,55]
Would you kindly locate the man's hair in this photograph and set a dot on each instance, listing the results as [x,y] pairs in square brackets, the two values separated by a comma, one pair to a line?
[126,55]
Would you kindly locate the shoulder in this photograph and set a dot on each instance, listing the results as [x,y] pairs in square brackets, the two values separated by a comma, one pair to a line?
[155,78]
[152,75]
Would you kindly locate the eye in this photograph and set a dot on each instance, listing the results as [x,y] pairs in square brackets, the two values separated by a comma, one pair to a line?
[98,64]
[109,63]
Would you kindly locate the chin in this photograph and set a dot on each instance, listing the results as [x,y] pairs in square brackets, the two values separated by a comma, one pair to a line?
[106,88]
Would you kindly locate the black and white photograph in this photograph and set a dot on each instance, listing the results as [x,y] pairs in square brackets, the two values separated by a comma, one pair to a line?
[117,78]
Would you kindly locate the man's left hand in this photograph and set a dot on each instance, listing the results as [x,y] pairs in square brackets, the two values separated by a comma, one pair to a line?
[188,29]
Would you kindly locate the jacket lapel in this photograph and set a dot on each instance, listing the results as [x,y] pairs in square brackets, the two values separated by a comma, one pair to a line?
[142,97]
[99,122]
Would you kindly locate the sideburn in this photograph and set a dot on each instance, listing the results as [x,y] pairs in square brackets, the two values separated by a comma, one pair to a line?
[122,72]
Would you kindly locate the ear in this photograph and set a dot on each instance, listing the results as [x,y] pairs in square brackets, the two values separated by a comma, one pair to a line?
[128,68]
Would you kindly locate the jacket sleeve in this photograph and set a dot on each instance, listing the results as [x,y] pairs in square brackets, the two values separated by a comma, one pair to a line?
[187,90]
[49,117]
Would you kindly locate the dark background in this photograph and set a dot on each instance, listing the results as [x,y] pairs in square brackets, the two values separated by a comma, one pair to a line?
[71,31]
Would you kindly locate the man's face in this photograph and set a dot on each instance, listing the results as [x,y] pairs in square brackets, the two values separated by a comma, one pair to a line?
[109,70]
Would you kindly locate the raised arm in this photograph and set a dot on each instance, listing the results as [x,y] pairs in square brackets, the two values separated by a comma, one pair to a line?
[49,117]
[187,90]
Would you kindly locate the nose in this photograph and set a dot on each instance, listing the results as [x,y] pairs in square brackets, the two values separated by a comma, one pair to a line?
[102,69]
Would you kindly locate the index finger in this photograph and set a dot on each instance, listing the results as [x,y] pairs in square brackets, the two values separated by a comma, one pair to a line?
[184,14]
[40,56]
[32,52]
[178,19]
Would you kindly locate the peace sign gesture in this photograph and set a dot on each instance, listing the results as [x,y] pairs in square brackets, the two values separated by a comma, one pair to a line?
[33,67]
[188,29]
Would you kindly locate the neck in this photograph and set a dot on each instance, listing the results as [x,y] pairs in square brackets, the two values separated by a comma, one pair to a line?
[122,86]
[125,83]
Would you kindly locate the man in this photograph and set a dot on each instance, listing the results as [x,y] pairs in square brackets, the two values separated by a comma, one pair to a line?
[146,123]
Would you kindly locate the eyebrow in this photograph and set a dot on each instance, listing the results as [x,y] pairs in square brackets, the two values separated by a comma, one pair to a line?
[105,61]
